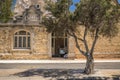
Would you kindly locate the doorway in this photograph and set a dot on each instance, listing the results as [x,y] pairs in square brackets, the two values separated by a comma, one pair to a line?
[59,42]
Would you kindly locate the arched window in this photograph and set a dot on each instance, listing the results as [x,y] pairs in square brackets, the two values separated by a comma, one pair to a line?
[22,40]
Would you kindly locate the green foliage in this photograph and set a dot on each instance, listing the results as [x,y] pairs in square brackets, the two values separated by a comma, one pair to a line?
[59,8]
[99,14]
[61,18]
[93,14]
[5,10]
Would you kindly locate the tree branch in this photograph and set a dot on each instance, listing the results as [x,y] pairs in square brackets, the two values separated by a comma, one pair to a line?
[81,39]
[94,41]
[84,40]
[77,43]
[71,34]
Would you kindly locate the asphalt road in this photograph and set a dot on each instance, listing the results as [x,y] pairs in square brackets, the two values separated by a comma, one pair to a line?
[101,65]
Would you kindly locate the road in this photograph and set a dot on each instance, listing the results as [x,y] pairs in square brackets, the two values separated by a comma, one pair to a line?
[98,65]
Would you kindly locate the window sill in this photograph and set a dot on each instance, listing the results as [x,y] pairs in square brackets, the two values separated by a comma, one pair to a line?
[21,49]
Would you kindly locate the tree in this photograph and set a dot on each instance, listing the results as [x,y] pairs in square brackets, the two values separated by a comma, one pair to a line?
[5,10]
[59,13]
[97,17]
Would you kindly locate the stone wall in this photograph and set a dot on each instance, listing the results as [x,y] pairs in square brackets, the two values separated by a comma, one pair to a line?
[39,41]
[103,45]
[5,40]
[41,44]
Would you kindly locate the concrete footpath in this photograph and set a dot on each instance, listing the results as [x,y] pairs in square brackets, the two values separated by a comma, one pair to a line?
[56,74]
[53,61]
[59,74]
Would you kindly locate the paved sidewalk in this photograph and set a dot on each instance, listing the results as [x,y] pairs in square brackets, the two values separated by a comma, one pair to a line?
[53,61]
[57,74]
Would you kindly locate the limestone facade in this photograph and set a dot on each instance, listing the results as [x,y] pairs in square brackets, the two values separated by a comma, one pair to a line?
[41,41]
[40,44]
[103,47]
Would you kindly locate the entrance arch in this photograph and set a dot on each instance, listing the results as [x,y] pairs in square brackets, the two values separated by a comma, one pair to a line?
[59,41]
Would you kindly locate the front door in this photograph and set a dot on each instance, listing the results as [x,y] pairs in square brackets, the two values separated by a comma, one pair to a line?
[57,44]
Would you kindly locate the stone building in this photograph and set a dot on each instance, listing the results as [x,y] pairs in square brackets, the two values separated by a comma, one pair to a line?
[26,38]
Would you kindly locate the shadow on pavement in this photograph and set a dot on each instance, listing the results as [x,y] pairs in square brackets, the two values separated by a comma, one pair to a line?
[63,74]
[116,77]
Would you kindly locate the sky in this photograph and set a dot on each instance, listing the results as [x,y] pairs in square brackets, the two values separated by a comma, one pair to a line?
[73,7]
[119,1]
[13,4]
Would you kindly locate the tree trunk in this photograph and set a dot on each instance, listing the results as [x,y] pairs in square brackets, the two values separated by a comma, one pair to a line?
[89,69]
